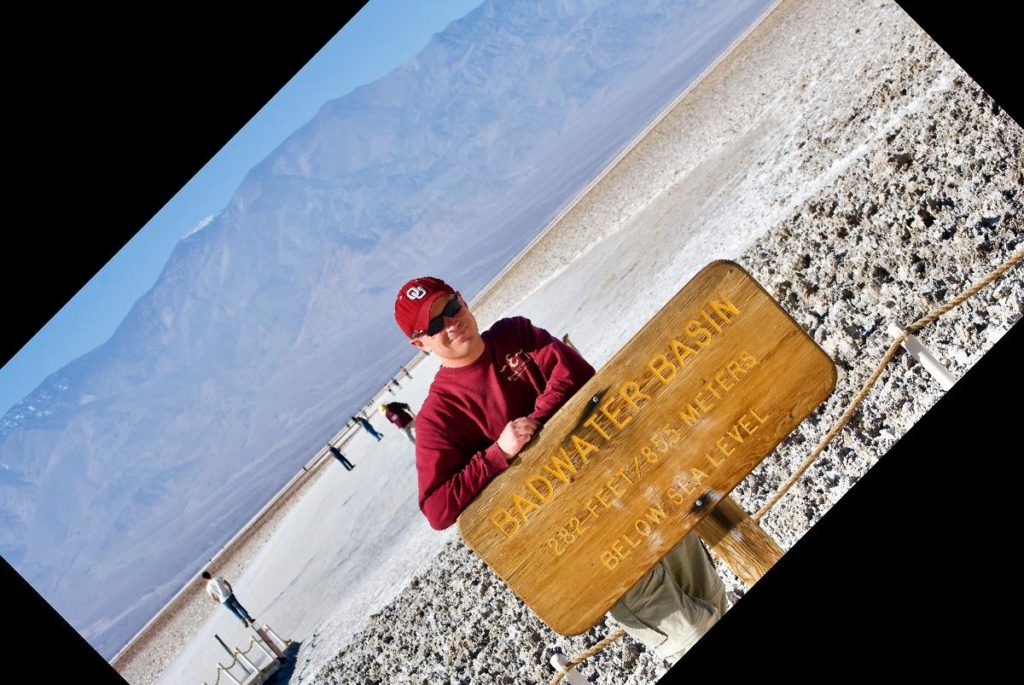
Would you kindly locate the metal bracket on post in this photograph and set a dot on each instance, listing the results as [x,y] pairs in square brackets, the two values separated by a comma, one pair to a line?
[920,353]
[572,676]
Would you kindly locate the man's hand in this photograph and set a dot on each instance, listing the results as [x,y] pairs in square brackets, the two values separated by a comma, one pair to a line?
[516,434]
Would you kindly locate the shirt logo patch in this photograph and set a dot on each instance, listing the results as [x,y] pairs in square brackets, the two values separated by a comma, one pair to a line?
[515,365]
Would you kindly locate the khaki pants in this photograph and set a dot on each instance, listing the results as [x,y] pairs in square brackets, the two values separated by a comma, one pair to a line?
[679,599]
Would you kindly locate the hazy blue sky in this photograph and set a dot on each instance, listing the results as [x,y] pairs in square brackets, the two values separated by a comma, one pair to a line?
[383,35]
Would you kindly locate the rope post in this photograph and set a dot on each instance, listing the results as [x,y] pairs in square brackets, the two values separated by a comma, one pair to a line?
[266,641]
[259,643]
[737,540]
[571,664]
[250,666]
[236,656]
[570,675]
[920,353]
[277,638]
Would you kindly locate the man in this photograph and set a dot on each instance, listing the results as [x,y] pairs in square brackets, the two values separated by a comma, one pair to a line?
[340,457]
[220,591]
[492,394]
[400,414]
[368,427]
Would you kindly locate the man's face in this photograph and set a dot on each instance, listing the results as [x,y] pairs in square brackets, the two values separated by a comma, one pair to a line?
[459,342]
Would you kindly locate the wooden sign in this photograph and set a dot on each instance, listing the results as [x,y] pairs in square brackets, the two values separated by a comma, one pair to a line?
[658,437]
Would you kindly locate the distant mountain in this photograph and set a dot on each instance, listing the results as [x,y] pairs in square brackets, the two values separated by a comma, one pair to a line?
[266,329]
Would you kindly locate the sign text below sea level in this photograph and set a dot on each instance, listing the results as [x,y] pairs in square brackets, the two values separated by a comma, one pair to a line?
[650,444]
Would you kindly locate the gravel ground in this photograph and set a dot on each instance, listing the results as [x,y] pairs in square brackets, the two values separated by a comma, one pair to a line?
[877,181]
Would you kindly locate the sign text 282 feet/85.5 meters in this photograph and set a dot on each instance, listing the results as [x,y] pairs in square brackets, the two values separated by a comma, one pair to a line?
[651,444]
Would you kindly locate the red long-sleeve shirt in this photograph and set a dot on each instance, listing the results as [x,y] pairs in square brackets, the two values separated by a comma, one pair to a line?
[523,371]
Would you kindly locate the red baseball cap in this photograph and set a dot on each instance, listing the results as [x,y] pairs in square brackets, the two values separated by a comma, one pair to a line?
[412,306]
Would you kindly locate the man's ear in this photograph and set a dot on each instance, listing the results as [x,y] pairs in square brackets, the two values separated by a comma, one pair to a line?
[418,344]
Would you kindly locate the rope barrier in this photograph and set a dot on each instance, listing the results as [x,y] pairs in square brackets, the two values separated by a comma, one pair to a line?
[248,665]
[579,659]
[889,354]
[259,643]
[221,669]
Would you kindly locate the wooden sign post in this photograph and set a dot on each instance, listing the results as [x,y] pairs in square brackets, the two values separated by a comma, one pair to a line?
[649,449]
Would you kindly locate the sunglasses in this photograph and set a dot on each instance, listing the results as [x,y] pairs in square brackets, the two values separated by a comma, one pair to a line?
[436,325]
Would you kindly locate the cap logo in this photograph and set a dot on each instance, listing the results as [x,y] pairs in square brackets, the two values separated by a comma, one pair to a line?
[417,293]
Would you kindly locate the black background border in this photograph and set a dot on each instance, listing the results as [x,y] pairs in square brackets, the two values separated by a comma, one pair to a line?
[112,114]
